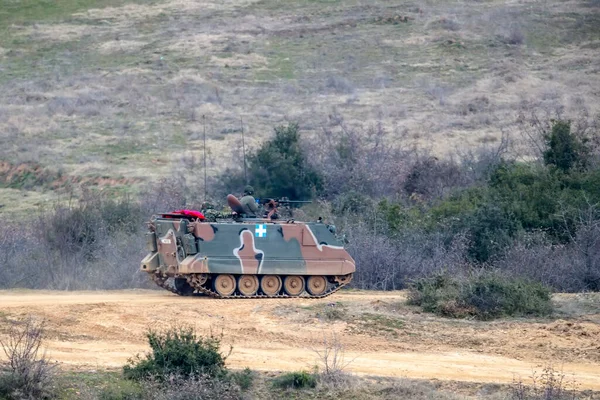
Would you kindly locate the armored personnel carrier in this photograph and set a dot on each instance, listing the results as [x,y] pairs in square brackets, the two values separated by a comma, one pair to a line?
[245,257]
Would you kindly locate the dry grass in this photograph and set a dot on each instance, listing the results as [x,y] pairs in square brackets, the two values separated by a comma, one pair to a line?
[408,328]
[121,90]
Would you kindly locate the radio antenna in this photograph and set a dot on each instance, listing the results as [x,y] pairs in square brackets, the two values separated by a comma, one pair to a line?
[204,130]
[244,150]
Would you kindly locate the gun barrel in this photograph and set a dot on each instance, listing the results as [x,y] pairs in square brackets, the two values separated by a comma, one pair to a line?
[278,200]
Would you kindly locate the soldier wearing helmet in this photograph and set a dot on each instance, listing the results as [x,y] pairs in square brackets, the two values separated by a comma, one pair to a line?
[249,202]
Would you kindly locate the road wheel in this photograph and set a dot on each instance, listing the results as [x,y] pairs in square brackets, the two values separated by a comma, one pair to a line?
[316,285]
[294,285]
[248,285]
[224,285]
[270,285]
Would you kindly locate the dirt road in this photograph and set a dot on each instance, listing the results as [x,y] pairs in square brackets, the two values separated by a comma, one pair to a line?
[379,333]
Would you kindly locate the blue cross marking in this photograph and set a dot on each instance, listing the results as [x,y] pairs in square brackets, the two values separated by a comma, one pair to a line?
[260,231]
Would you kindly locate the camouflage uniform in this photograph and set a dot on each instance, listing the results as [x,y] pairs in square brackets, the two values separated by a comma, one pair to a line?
[249,202]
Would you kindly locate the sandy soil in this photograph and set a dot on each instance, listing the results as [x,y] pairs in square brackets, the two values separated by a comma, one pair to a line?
[91,330]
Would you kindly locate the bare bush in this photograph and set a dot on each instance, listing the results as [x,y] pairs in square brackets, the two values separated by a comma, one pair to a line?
[447,23]
[30,375]
[201,387]
[347,158]
[390,263]
[512,34]
[551,384]
[93,244]
[431,178]
[339,85]
[332,363]
[506,23]
[437,92]
[571,267]
[331,355]
[475,105]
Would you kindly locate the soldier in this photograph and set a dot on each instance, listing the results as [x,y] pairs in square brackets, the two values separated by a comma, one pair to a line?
[249,202]
[270,207]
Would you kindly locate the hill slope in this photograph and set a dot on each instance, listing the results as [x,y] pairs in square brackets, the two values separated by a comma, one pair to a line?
[118,88]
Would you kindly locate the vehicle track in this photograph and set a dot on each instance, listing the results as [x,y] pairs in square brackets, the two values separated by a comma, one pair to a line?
[91,330]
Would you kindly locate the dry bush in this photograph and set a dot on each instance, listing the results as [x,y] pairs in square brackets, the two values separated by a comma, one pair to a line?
[436,91]
[512,34]
[430,178]
[506,24]
[332,363]
[551,384]
[415,390]
[93,244]
[347,158]
[29,374]
[447,23]
[200,387]
[386,263]
[339,85]
[571,267]
[96,242]
[475,105]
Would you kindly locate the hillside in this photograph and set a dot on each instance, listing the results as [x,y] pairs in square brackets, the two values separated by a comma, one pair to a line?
[115,93]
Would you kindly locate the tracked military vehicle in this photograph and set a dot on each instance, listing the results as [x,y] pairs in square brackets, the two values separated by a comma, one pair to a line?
[245,257]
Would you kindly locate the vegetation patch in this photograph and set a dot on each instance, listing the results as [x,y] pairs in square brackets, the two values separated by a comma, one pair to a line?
[484,296]
[179,352]
[26,373]
[34,176]
[24,11]
[371,323]
[295,380]
[330,311]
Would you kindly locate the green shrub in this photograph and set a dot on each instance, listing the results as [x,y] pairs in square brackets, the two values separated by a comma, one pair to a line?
[491,230]
[122,390]
[178,351]
[244,378]
[433,293]
[351,202]
[484,296]
[518,198]
[564,150]
[295,380]
[279,167]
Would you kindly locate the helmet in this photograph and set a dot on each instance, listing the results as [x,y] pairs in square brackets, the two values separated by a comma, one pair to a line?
[248,190]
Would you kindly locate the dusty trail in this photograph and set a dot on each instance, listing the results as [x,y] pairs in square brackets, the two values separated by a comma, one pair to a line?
[88,330]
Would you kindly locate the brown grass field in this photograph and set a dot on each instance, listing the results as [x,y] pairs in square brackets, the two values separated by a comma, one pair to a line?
[123,90]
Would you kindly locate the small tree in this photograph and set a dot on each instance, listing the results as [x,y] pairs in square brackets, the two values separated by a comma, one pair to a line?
[279,167]
[564,150]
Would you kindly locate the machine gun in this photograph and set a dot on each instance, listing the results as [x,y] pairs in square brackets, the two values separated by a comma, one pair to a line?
[271,206]
[282,201]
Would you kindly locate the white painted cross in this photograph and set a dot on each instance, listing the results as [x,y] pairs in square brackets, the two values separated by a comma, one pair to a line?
[260,231]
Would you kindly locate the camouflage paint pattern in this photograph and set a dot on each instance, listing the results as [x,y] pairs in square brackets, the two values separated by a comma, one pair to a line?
[253,246]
